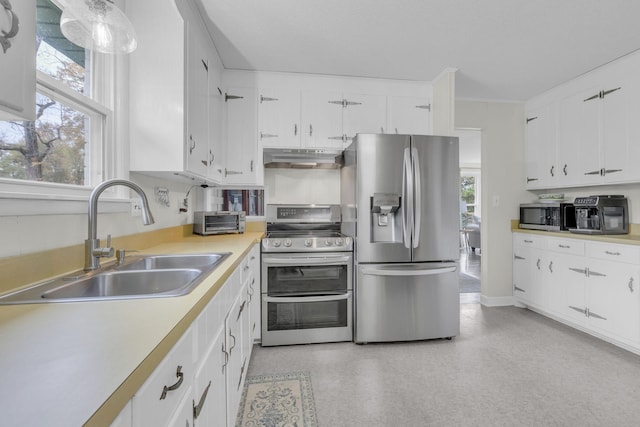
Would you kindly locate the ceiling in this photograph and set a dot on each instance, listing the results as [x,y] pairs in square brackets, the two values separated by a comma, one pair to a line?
[506,50]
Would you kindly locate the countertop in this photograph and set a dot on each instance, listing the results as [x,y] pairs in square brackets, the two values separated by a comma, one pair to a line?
[71,363]
[626,239]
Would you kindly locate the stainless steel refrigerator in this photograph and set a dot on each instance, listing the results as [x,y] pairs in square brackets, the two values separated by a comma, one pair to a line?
[400,202]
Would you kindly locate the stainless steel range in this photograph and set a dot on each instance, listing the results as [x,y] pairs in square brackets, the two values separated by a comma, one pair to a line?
[307,276]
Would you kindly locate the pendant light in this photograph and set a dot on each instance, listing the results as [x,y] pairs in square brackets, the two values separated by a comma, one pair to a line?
[97,25]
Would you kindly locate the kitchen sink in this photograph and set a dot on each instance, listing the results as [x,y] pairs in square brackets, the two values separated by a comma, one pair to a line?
[145,276]
[120,284]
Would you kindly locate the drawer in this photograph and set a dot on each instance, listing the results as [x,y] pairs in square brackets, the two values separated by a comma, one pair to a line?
[614,252]
[566,246]
[528,240]
[150,408]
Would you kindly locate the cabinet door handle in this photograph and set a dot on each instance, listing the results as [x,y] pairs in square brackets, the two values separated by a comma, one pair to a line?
[528,241]
[612,253]
[295,129]
[630,284]
[310,130]
[341,102]
[551,266]
[234,342]
[251,166]
[175,386]
[198,408]
[423,107]
[266,99]
[337,138]
[598,172]
[241,373]
[530,119]
[564,246]
[517,257]
[381,130]
[518,289]
[551,171]
[211,157]
[230,172]
[347,103]
[531,179]
[538,264]
[564,170]
[226,358]
[15,26]
[396,130]
[597,95]
[192,144]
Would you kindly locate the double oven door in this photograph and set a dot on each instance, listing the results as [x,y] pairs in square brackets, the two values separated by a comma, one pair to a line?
[306,298]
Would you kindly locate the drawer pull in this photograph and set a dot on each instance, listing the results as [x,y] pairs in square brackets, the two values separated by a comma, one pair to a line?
[528,241]
[234,343]
[240,312]
[564,246]
[550,266]
[197,409]
[612,253]
[177,385]
[631,284]
[226,358]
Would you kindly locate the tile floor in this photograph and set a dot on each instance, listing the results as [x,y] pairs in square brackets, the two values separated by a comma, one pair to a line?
[508,367]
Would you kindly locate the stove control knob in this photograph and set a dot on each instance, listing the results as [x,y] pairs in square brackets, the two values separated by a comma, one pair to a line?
[347,241]
[339,241]
[328,242]
[275,243]
[308,243]
[287,242]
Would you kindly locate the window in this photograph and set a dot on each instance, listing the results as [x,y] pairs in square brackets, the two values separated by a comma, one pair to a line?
[70,147]
[469,196]
[64,145]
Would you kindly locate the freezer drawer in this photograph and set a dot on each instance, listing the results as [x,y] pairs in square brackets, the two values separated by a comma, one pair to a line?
[406,302]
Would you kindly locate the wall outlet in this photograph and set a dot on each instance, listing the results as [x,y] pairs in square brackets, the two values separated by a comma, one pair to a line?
[136,207]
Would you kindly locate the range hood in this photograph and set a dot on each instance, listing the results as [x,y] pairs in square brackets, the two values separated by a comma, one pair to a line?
[301,158]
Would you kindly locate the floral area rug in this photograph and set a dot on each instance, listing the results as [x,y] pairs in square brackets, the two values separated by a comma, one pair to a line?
[279,400]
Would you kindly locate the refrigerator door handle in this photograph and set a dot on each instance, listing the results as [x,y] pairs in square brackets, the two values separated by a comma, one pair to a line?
[417,199]
[372,271]
[407,199]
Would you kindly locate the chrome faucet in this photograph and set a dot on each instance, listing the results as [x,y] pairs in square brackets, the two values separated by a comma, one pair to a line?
[92,250]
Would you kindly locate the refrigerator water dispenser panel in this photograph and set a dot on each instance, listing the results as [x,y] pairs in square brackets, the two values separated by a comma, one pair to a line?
[385,226]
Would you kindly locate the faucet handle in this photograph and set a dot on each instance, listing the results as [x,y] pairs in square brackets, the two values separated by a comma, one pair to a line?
[106,251]
[121,254]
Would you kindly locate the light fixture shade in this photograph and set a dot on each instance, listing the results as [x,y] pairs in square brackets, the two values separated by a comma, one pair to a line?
[98,25]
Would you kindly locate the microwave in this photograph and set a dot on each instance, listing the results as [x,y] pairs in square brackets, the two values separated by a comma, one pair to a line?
[554,216]
[218,222]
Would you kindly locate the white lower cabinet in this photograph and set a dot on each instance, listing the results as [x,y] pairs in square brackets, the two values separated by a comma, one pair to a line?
[591,285]
[253,288]
[200,381]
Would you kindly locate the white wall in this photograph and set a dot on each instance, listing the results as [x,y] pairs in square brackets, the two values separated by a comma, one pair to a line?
[34,233]
[319,186]
[502,128]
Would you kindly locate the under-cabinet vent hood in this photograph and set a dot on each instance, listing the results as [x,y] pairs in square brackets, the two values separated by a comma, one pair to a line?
[302,158]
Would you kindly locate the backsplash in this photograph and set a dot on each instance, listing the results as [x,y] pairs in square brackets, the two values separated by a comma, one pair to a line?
[302,186]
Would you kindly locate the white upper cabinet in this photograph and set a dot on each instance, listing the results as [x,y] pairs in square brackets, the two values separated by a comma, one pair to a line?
[198,155]
[279,117]
[18,60]
[322,119]
[173,129]
[364,114]
[409,115]
[244,165]
[597,128]
[540,148]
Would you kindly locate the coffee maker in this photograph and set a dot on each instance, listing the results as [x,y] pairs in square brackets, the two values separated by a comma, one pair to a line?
[601,215]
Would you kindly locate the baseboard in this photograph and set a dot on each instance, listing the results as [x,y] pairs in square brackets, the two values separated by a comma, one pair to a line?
[496,301]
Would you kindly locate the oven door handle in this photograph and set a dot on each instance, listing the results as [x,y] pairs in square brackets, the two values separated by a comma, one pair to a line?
[297,262]
[407,272]
[324,298]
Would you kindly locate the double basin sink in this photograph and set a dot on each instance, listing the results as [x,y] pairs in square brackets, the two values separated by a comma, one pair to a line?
[150,276]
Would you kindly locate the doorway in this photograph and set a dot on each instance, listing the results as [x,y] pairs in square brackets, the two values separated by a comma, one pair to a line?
[470,214]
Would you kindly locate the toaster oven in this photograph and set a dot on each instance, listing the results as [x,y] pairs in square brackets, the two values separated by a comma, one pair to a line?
[219,222]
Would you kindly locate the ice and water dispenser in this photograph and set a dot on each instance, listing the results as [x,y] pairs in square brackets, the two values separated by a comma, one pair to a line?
[386,221]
